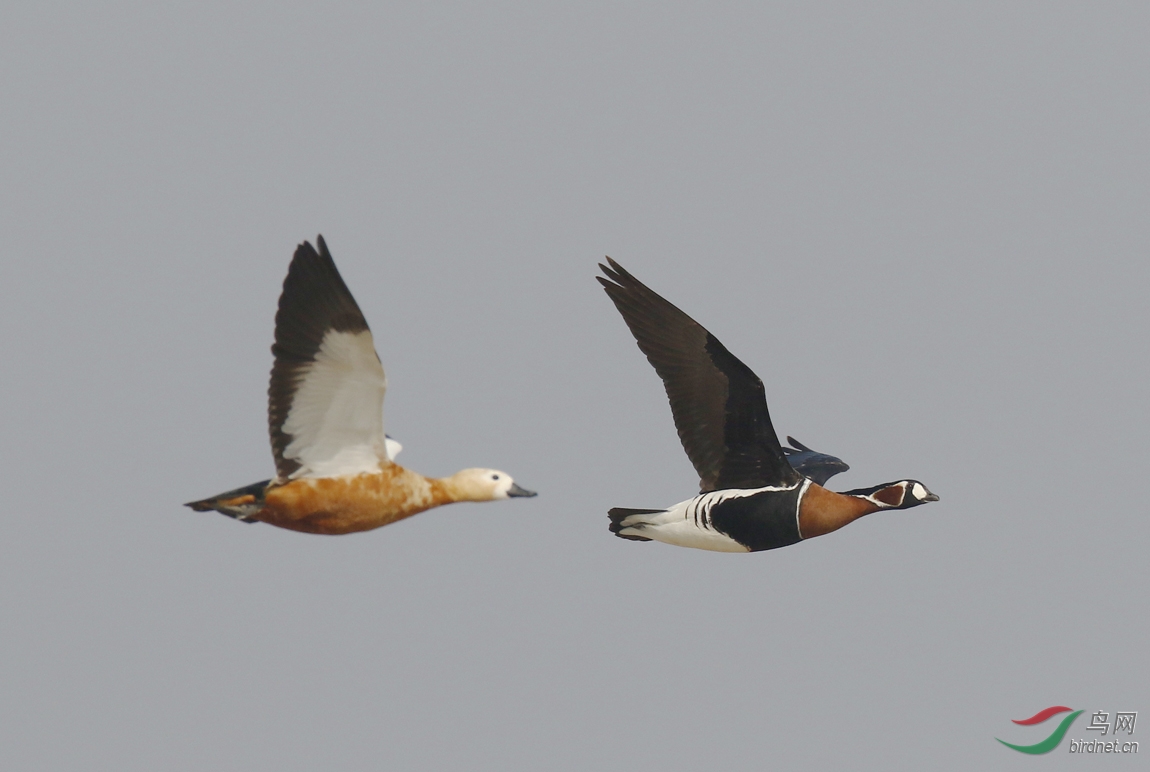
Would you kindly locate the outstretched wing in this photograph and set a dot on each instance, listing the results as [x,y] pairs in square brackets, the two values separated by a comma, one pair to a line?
[820,467]
[325,401]
[719,405]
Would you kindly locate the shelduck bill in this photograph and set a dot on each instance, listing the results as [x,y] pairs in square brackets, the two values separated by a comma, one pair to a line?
[750,497]
[335,468]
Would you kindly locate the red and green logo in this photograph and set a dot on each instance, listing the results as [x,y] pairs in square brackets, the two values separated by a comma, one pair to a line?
[1051,742]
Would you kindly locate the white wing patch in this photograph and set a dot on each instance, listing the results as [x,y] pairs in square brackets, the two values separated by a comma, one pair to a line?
[336,416]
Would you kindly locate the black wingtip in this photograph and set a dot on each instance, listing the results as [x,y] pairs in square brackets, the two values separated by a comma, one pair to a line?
[617,274]
[623,288]
[305,252]
[797,445]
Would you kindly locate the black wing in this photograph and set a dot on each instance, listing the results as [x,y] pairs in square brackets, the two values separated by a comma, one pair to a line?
[810,463]
[719,405]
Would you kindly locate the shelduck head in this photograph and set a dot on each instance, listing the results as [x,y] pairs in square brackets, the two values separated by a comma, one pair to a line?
[903,494]
[485,485]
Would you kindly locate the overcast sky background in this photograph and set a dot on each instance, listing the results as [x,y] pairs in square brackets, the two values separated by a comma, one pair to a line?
[926,229]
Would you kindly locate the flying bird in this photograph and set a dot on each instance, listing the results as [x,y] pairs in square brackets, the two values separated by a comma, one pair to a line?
[750,497]
[335,468]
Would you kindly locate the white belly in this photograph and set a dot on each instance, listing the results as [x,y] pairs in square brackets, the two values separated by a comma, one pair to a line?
[685,525]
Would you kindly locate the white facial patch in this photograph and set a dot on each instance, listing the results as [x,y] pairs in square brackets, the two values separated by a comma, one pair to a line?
[918,491]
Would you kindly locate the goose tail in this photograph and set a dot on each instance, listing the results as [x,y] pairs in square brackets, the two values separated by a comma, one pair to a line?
[626,530]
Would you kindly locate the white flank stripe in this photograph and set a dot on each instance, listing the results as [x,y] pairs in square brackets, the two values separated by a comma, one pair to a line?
[799,506]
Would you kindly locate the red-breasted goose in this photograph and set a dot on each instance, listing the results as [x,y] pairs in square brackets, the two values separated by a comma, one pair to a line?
[335,471]
[750,498]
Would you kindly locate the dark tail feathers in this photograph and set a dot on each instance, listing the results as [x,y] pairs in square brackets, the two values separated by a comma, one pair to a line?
[619,514]
[242,503]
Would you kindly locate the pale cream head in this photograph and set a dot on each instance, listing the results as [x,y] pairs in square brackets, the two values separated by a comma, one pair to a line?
[484,485]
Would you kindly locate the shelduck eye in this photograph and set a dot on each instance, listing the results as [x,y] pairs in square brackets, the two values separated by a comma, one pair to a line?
[494,477]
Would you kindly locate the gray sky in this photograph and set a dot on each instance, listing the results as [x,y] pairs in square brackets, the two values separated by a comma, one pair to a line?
[924,228]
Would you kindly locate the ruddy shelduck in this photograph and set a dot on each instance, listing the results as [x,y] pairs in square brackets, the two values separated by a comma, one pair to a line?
[335,468]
